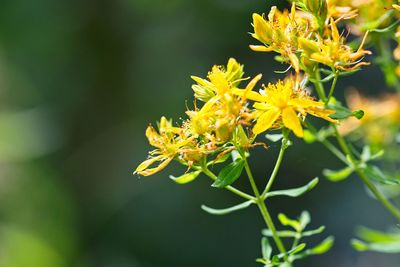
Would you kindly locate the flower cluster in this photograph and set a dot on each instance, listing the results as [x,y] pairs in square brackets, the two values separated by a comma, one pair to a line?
[227,118]
[210,128]
[304,41]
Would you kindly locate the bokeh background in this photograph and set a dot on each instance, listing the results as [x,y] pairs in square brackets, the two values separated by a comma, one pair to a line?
[79,83]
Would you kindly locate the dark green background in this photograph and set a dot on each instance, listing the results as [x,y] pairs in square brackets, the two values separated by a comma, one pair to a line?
[79,83]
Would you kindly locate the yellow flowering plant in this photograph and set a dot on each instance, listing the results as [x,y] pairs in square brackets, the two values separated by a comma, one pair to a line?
[228,119]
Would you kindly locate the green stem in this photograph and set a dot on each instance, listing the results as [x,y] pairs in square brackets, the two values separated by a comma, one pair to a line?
[386,61]
[277,165]
[334,150]
[326,143]
[319,86]
[229,188]
[360,172]
[346,150]
[332,88]
[264,211]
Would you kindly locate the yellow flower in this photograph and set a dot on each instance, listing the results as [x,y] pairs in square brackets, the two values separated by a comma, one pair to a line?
[332,52]
[220,80]
[366,14]
[280,31]
[169,142]
[223,110]
[285,103]
[342,9]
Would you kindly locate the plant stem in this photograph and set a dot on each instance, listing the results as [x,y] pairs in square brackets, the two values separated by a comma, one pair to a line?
[229,188]
[277,165]
[264,211]
[332,88]
[360,172]
[346,150]
[319,87]
[386,61]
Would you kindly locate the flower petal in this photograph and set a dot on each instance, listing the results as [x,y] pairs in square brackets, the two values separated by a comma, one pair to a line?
[145,164]
[261,48]
[291,121]
[266,120]
[147,172]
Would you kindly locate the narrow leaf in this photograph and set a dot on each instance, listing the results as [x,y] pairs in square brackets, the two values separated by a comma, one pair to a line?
[295,192]
[185,178]
[343,112]
[227,210]
[339,175]
[304,219]
[323,247]
[229,174]
[289,222]
[374,173]
[378,247]
[266,248]
[293,251]
[313,232]
[292,234]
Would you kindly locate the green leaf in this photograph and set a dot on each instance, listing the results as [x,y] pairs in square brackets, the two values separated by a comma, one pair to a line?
[292,234]
[293,251]
[266,248]
[268,232]
[374,173]
[289,222]
[371,235]
[343,112]
[304,219]
[227,210]
[229,174]
[274,137]
[378,247]
[185,178]
[323,247]
[313,232]
[339,175]
[297,249]
[294,192]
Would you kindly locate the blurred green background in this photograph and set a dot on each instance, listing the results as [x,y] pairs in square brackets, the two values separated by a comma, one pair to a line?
[79,83]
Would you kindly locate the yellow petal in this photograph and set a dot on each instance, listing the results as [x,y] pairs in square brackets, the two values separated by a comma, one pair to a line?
[153,137]
[335,31]
[304,103]
[266,120]
[145,164]
[251,84]
[261,48]
[251,95]
[322,113]
[322,59]
[262,30]
[294,61]
[262,106]
[308,46]
[291,121]
[185,178]
[148,172]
